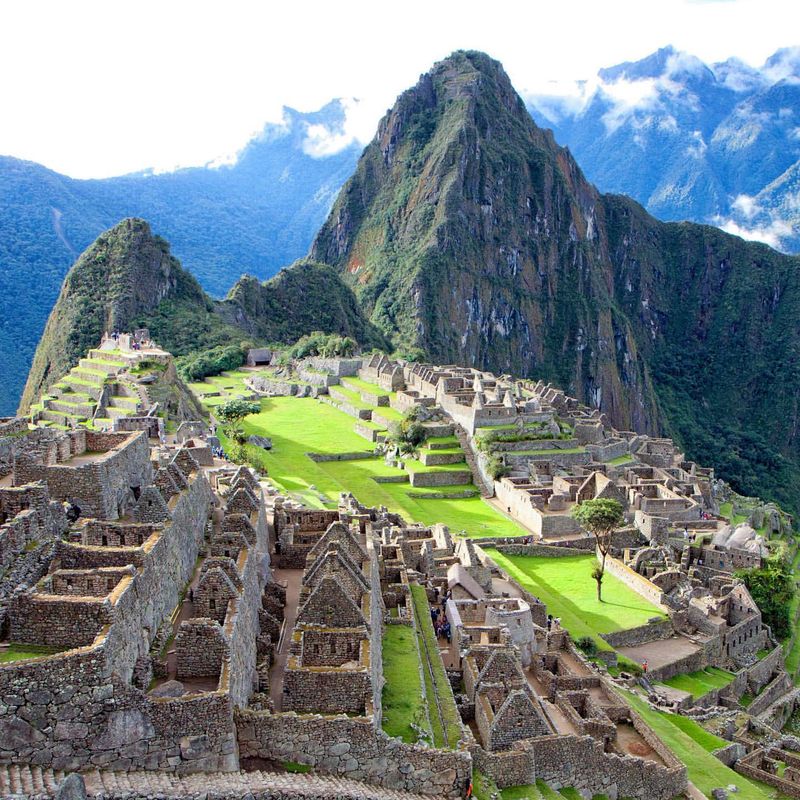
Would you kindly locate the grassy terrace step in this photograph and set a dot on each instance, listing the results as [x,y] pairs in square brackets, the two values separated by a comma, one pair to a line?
[702,681]
[442,442]
[565,585]
[442,710]
[360,385]
[692,744]
[354,398]
[120,401]
[301,425]
[403,698]
[546,452]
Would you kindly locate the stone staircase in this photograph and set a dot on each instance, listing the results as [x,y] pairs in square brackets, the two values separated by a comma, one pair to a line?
[93,389]
[466,446]
[35,783]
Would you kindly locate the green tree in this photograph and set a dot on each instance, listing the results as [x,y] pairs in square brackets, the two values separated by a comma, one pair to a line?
[772,588]
[231,414]
[601,517]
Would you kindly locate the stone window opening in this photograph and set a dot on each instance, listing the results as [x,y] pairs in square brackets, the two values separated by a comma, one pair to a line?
[89,585]
[212,604]
[104,540]
[137,491]
[109,584]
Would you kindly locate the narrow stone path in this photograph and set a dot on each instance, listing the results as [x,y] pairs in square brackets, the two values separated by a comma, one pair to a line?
[34,783]
[291,578]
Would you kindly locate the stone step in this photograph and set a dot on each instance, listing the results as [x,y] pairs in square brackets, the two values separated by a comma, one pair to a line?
[59,417]
[89,376]
[97,365]
[23,781]
[75,409]
[114,411]
[432,458]
[130,403]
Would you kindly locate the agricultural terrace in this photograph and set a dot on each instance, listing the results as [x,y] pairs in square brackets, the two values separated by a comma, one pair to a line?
[298,426]
[566,586]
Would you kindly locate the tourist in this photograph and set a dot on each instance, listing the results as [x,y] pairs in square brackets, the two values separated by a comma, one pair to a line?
[549,622]
[557,623]
[446,630]
[644,666]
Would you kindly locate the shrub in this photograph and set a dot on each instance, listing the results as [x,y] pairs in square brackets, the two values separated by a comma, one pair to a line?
[199,365]
[327,345]
[587,645]
[496,468]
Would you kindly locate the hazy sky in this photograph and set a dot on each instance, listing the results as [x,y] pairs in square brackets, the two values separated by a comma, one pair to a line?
[101,88]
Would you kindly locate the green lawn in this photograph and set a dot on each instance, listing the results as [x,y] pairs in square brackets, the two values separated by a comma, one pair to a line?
[692,747]
[565,585]
[298,426]
[619,460]
[701,682]
[22,652]
[548,452]
[403,701]
[447,727]
[364,386]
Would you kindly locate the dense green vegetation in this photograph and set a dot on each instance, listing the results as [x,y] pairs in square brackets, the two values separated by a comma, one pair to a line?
[202,364]
[322,344]
[565,585]
[403,703]
[773,588]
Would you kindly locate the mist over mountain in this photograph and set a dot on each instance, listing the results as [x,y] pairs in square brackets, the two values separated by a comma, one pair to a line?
[716,143]
[253,216]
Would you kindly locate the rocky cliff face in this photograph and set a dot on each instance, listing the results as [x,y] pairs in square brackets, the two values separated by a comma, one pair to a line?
[466,231]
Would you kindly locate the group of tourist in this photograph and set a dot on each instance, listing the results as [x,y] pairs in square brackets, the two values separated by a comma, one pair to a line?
[441,625]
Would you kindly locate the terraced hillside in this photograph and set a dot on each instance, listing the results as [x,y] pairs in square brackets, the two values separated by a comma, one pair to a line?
[325,446]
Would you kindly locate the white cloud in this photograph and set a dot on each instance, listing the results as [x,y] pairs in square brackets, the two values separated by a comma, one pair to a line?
[358,128]
[770,234]
[746,206]
[92,89]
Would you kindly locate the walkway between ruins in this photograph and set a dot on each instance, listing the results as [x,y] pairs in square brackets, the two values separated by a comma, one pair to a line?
[24,781]
[292,580]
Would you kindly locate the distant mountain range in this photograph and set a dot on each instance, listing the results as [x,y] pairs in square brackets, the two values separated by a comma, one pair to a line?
[716,143]
[253,216]
[467,235]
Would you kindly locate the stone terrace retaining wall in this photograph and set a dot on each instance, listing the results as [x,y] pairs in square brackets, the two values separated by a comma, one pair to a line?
[635,581]
[579,762]
[353,748]
[632,637]
[75,717]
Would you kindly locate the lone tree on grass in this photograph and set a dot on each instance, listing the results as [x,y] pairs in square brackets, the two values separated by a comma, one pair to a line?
[231,414]
[601,517]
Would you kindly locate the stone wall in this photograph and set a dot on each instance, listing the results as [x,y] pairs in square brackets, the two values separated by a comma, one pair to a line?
[200,649]
[775,689]
[353,748]
[635,581]
[632,637]
[57,621]
[102,486]
[70,714]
